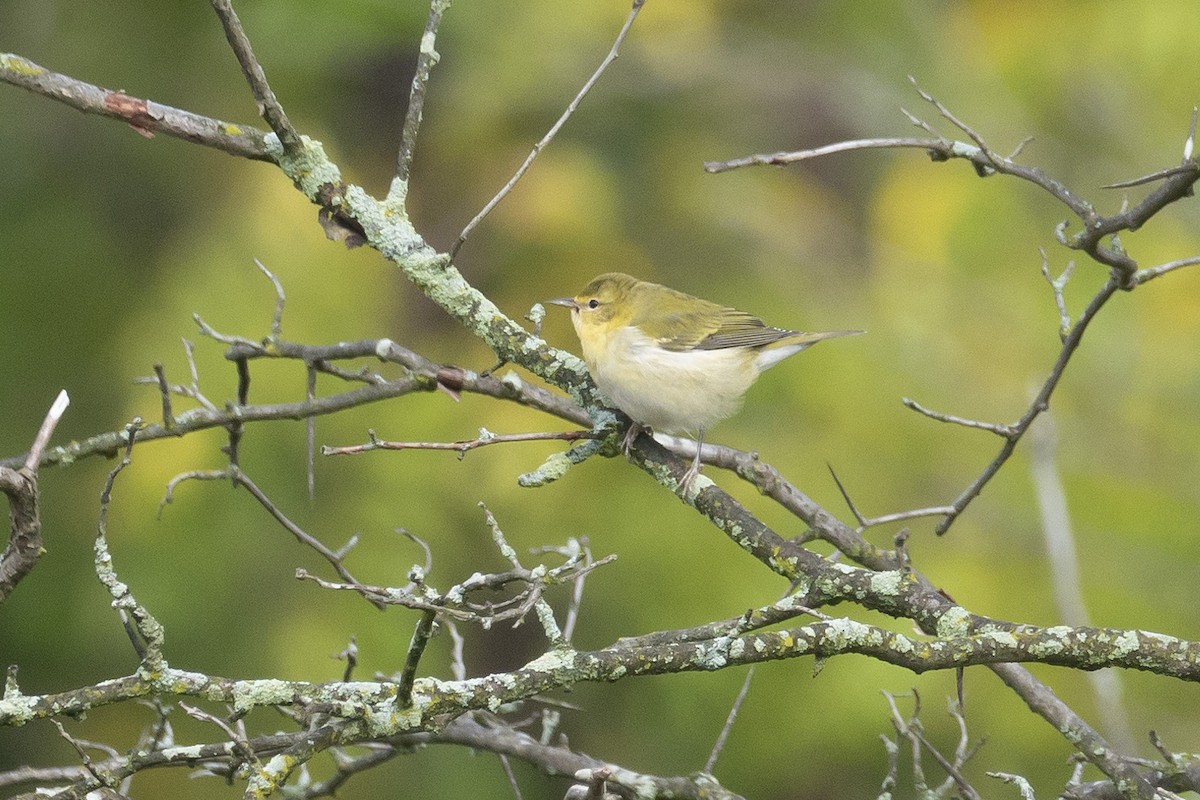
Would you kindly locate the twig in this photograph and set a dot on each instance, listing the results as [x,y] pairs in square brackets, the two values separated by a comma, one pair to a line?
[349,654]
[958,123]
[458,666]
[146,634]
[790,157]
[1058,285]
[568,628]
[484,439]
[24,547]
[1089,743]
[164,390]
[1189,144]
[416,98]
[240,478]
[1177,183]
[280,299]
[1040,403]
[416,647]
[1001,430]
[545,140]
[49,423]
[899,516]
[512,777]
[1022,785]
[268,105]
[310,434]
[719,744]
[1150,273]
[1157,175]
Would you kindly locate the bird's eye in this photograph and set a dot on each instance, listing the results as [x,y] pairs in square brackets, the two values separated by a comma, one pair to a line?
[593,303]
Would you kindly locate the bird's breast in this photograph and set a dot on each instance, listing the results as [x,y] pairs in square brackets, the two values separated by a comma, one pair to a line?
[672,391]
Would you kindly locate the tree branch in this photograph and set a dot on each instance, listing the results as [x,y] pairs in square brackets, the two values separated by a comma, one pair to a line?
[144,116]
[264,96]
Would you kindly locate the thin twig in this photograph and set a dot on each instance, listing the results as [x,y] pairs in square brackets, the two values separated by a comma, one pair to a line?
[958,123]
[788,157]
[568,628]
[1001,430]
[1090,744]
[1039,404]
[427,58]
[719,744]
[264,96]
[899,516]
[280,299]
[240,478]
[1058,285]
[1157,175]
[310,434]
[49,423]
[484,439]
[1150,273]
[1097,229]
[416,647]
[512,777]
[349,654]
[164,390]
[545,140]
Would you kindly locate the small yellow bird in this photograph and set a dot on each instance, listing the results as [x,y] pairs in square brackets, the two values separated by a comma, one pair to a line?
[671,361]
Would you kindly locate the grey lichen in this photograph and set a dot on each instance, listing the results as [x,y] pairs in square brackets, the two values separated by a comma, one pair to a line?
[557,465]
[309,170]
[954,623]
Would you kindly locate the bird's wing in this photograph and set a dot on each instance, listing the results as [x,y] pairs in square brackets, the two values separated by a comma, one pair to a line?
[739,329]
[713,327]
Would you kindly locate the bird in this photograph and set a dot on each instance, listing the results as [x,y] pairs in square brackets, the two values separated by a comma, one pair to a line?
[672,362]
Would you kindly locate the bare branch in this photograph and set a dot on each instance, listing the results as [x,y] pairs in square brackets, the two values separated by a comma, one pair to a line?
[554,129]
[781,158]
[719,744]
[1040,403]
[1042,701]
[280,299]
[268,105]
[416,647]
[49,423]
[416,98]
[24,547]
[1177,183]
[1157,175]
[144,116]
[1150,273]
[462,447]
[1001,430]
[1058,285]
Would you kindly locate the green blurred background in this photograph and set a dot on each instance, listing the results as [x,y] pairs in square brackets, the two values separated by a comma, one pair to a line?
[110,242]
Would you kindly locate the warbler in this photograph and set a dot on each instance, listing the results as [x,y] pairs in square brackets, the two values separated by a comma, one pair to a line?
[673,362]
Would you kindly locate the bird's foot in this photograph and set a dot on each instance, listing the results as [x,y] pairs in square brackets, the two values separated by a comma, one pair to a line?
[631,434]
[693,471]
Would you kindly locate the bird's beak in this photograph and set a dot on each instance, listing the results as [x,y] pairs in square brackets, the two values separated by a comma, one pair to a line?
[568,302]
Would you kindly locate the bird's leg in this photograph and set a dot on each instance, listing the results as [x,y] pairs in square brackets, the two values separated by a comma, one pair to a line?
[631,434]
[694,469]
